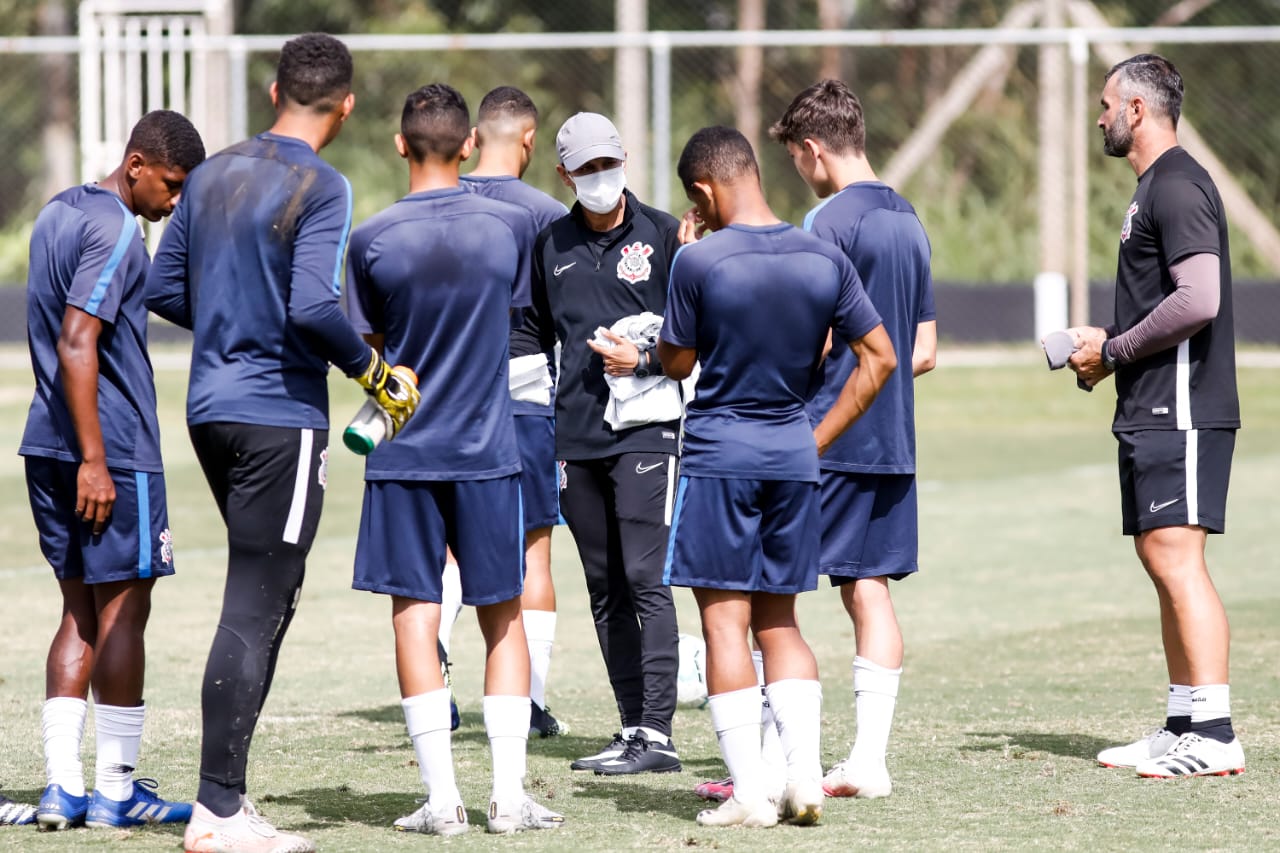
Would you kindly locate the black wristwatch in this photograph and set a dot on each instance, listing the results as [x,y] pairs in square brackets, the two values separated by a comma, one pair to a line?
[643,361]
[1107,361]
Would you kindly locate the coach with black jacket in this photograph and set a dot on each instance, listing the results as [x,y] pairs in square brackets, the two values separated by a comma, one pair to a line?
[607,259]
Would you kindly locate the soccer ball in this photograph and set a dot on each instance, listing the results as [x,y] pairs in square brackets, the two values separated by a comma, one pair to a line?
[691,680]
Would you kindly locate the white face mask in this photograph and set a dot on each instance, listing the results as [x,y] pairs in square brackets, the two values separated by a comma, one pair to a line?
[599,192]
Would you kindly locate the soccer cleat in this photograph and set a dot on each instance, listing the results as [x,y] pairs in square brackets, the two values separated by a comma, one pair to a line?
[613,750]
[641,756]
[861,782]
[1154,745]
[60,810]
[15,814]
[715,791]
[448,822]
[1194,755]
[144,807]
[243,832]
[801,803]
[734,812]
[526,814]
[542,724]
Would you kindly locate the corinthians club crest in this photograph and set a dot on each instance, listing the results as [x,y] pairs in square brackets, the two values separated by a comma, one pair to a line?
[1127,229]
[634,267]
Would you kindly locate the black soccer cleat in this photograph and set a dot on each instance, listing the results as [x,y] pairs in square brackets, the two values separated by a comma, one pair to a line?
[642,756]
[542,724]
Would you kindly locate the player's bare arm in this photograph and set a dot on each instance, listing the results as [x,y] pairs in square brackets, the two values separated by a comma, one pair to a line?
[1087,359]
[677,362]
[924,355]
[876,360]
[78,361]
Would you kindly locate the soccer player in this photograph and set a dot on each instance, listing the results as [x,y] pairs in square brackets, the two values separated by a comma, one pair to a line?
[433,280]
[1172,350]
[753,304]
[94,476]
[608,259]
[506,125]
[869,527]
[251,263]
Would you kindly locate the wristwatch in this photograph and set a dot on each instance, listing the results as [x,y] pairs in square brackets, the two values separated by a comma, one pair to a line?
[1107,361]
[643,361]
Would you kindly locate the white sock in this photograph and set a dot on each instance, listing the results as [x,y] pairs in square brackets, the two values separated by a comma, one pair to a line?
[736,718]
[1179,701]
[450,601]
[119,740]
[540,630]
[1210,702]
[628,732]
[797,711]
[654,736]
[506,722]
[62,724]
[427,718]
[771,752]
[875,693]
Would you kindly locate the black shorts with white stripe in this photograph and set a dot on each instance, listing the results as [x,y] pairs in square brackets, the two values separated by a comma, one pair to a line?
[1171,477]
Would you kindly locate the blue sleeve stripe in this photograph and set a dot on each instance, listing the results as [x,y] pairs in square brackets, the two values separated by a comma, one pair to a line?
[811,215]
[144,524]
[342,243]
[127,233]
[675,526]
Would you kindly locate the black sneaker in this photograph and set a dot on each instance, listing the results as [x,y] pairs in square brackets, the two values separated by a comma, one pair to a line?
[542,724]
[641,756]
[615,748]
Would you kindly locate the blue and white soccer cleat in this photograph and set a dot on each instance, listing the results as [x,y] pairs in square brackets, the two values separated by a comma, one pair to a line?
[15,814]
[144,807]
[60,810]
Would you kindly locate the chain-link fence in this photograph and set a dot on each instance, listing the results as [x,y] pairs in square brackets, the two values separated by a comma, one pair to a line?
[969,125]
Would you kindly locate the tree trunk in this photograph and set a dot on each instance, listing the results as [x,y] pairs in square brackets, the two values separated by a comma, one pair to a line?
[746,88]
[56,80]
[831,17]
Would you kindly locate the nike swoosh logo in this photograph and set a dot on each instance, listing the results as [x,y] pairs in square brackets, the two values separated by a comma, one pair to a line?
[1155,507]
[643,469]
[559,269]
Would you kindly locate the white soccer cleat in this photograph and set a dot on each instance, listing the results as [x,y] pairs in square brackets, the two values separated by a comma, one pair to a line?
[867,783]
[734,812]
[1194,755]
[520,816]
[801,803]
[243,832]
[1152,746]
[450,821]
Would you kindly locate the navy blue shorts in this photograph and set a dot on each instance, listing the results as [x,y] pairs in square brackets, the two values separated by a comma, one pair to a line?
[1171,477]
[405,526]
[870,526]
[540,474]
[748,535]
[135,544]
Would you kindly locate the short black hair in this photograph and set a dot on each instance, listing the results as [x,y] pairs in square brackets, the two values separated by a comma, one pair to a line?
[827,112]
[314,72]
[719,154]
[506,102]
[1154,79]
[435,122]
[167,138]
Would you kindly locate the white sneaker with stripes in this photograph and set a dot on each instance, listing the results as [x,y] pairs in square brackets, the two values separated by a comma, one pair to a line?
[1194,755]
[1151,746]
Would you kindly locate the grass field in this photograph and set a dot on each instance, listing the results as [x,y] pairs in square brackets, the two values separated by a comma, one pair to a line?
[1032,642]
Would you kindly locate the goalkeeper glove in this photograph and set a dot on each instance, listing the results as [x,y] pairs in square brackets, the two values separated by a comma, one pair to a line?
[394,389]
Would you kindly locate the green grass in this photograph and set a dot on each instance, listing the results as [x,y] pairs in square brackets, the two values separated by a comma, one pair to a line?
[1031,632]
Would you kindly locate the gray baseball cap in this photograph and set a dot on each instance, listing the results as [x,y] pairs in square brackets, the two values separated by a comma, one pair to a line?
[586,136]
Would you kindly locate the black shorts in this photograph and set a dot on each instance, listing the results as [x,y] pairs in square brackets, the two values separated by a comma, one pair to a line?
[1173,477]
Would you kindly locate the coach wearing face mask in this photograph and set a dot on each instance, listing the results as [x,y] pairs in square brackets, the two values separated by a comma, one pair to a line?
[609,258]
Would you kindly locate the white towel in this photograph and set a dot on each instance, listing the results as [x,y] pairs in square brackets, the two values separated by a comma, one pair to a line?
[529,379]
[638,400]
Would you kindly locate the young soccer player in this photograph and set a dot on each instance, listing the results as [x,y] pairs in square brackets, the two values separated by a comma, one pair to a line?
[251,264]
[433,280]
[94,476]
[753,304]
[506,125]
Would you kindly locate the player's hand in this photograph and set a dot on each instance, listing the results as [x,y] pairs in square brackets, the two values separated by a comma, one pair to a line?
[692,228]
[621,358]
[1086,361]
[394,389]
[95,494]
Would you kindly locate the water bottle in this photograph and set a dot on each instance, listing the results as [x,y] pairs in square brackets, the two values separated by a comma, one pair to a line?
[367,429]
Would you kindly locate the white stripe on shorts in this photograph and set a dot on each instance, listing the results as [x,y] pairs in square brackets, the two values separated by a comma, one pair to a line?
[671,491]
[1182,385]
[298,506]
[1193,476]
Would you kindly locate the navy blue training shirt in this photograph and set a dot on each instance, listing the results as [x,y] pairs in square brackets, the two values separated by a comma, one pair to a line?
[87,251]
[437,274]
[544,209]
[756,303]
[251,262]
[878,230]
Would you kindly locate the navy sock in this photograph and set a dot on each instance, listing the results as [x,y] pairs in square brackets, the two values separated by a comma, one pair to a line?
[1219,729]
[1179,725]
